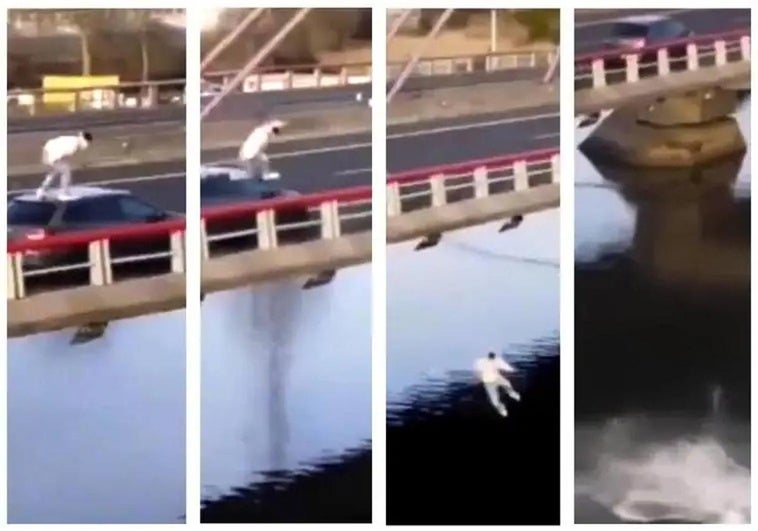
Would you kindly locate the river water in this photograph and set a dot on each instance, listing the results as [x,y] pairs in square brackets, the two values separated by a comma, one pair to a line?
[96,431]
[451,459]
[286,402]
[662,351]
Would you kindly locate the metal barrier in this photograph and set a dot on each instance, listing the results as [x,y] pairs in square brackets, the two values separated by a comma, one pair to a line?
[271,223]
[477,179]
[468,64]
[297,77]
[613,67]
[148,95]
[95,258]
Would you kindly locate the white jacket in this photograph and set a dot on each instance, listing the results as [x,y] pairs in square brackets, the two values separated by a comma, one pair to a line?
[489,370]
[258,140]
[62,147]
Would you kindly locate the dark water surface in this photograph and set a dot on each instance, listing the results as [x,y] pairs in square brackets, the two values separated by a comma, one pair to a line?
[451,459]
[662,351]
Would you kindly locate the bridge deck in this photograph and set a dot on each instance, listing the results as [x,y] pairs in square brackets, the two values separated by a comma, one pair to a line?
[594,100]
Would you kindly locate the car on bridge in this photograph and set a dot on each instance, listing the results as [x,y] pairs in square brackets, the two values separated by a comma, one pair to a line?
[634,33]
[228,185]
[84,208]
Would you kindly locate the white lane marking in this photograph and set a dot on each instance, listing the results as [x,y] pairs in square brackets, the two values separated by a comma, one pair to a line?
[355,171]
[119,180]
[547,135]
[475,125]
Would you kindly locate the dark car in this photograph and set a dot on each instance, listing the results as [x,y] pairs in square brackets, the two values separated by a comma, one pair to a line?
[85,208]
[635,33]
[228,185]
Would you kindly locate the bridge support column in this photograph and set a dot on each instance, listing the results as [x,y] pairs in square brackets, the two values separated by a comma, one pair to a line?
[682,130]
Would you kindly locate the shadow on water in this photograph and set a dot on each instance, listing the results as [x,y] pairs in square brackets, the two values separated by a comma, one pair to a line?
[284,433]
[452,459]
[662,331]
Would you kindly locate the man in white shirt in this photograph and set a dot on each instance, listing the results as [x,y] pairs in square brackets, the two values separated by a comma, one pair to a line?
[490,371]
[252,150]
[57,153]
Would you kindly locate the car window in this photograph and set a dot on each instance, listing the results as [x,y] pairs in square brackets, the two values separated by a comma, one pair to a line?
[666,29]
[630,30]
[93,210]
[30,212]
[134,209]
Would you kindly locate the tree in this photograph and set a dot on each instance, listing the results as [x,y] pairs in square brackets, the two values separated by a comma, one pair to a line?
[139,20]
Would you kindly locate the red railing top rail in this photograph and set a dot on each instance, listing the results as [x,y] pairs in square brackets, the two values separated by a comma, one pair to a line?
[72,239]
[239,210]
[468,166]
[695,39]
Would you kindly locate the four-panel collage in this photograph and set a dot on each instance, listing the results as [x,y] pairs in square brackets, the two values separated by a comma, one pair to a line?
[102,112]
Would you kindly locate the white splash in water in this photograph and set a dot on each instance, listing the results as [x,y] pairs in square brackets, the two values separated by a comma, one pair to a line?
[693,480]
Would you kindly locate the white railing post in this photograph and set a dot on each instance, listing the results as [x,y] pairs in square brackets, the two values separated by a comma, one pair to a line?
[439,194]
[598,73]
[343,76]
[98,264]
[289,79]
[481,185]
[745,47]
[177,252]
[720,48]
[520,176]
[394,203]
[330,220]
[632,68]
[317,76]
[266,225]
[692,60]
[664,68]
[555,167]
[16,285]
[204,247]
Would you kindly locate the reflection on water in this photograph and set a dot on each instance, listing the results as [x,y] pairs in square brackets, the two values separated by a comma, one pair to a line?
[286,402]
[451,459]
[96,431]
[662,352]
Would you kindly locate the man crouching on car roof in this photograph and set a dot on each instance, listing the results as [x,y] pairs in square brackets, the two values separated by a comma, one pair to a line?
[252,151]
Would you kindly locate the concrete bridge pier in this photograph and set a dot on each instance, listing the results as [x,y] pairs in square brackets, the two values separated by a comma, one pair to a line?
[678,131]
[691,231]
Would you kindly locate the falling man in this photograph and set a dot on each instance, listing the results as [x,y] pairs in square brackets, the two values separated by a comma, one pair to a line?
[490,371]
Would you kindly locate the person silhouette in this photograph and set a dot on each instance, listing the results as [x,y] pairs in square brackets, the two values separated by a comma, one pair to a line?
[490,371]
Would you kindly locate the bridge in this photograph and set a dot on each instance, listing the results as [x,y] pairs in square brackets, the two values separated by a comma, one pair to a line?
[114,277]
[609,79]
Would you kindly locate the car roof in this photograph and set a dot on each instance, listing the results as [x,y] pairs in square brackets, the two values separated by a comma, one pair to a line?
[74,194]
[214,169]
[643,19]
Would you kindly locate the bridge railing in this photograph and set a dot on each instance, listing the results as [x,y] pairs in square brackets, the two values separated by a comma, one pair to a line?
[100,257]
[94,258]
[138,95]
[269,224]
[612,67]
[468,64]
[476,179]
[271,78]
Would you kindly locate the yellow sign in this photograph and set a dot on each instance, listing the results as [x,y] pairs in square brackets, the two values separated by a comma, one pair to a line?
[87,99]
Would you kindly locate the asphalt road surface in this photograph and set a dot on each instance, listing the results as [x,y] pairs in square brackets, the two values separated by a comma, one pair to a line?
[591,28]
[330,163]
